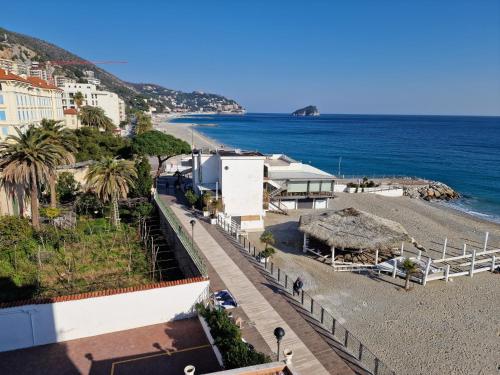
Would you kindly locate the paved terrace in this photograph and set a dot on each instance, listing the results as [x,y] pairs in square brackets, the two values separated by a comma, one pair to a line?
[157,349]
[263,306]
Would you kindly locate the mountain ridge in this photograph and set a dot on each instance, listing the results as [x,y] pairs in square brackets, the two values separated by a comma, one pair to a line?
[25,49]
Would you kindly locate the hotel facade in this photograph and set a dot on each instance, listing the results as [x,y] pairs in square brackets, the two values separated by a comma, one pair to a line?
[25,101]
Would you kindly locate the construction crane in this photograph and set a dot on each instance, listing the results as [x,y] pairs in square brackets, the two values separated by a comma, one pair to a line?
[85,62]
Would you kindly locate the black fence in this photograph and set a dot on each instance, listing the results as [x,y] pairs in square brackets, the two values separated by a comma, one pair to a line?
[350,344]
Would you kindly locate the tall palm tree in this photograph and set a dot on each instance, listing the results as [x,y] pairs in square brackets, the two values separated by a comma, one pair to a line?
[111,180]
[65,138]
[78,99]
[95,118]
[27,159]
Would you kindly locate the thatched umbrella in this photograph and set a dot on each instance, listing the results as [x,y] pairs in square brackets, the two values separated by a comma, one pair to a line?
[354,230]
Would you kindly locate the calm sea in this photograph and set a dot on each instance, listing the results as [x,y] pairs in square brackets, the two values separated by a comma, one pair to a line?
[463,152]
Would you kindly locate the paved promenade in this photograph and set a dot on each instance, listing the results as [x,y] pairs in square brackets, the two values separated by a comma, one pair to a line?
[259,308]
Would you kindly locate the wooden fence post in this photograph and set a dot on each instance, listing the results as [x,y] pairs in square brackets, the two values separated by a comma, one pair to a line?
[333,326]
[486,241]
[402,248]
[493,258]
[473,262]
[322,314]
[447,273]
[395,265]
[376,257]
[427,269]
[465,249]
[419,254]
[312,306]
[444,247]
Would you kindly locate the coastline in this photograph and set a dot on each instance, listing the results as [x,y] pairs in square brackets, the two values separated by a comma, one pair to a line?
[441,315]
[188,133]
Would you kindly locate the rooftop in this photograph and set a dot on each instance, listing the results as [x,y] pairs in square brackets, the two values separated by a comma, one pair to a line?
[34,81]
[70,111]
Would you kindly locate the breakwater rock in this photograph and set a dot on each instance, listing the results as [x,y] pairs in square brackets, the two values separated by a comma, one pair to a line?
[432,191]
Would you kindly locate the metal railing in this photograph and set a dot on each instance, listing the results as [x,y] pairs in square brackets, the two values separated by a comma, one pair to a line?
[191,248]
[336,331]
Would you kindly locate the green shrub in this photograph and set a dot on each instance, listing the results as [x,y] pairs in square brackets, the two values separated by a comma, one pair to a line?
[50,212]
[144,181]
[191,197]
[88,204]
[227,337]
[67,187]
[267,252]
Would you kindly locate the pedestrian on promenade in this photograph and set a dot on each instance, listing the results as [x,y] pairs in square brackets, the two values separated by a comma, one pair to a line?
[297,286]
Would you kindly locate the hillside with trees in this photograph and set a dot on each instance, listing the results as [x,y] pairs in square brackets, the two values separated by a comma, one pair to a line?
[137,96]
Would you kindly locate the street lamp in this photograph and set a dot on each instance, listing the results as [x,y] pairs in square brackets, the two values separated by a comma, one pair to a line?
[192,222]
[279,333]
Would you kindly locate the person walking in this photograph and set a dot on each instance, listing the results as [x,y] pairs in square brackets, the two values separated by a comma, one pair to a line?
[297,286]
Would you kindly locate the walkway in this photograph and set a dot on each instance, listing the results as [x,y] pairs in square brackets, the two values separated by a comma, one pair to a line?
[258,308]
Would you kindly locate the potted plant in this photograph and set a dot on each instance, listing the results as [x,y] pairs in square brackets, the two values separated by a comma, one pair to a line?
[206,198]
[265,254]
[268,238]
[215,206]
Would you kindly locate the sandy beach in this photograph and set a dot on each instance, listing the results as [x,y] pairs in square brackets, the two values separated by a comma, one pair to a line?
[186,132]
[443,328]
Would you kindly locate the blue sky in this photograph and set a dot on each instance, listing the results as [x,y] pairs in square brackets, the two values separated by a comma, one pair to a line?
[399,56]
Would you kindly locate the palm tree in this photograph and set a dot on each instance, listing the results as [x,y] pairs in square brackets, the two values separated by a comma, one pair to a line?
[78,99]
[65,138]
[268,238]
[111,180]
[410,267]
[96,118]
[28,159]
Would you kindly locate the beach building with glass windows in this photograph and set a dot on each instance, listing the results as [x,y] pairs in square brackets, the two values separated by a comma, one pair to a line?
[249,183]
[292,185]
[25,101]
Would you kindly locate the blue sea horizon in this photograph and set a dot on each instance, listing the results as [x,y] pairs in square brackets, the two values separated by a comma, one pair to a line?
[461,151]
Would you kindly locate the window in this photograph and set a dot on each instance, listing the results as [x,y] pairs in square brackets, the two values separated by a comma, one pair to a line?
[5,130]
[2,116]
[1,99]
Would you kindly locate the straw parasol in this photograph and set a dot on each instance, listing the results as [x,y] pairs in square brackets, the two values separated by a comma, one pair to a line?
[353,229]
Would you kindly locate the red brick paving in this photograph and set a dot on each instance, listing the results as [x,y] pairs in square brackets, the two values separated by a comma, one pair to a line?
[157,349]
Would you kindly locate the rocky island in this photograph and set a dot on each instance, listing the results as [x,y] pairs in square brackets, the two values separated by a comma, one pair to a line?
[310,110]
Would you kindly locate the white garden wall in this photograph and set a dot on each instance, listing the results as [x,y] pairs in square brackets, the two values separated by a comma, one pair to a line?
[73,317]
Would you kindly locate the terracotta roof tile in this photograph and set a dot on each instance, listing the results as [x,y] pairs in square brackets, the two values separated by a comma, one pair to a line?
[34,81]
[70,111]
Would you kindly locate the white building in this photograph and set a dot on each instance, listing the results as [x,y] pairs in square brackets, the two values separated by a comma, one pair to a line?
[108,101]
[237,177]
[293,185]
[26,101]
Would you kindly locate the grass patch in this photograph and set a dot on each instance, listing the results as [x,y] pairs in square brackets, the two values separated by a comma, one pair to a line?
[53,262]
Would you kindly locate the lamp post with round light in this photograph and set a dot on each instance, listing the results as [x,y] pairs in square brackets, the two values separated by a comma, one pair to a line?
[192,222]
[279,333]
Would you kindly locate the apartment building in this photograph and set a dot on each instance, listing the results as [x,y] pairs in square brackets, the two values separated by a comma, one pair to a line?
[26,101]
[112,105]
